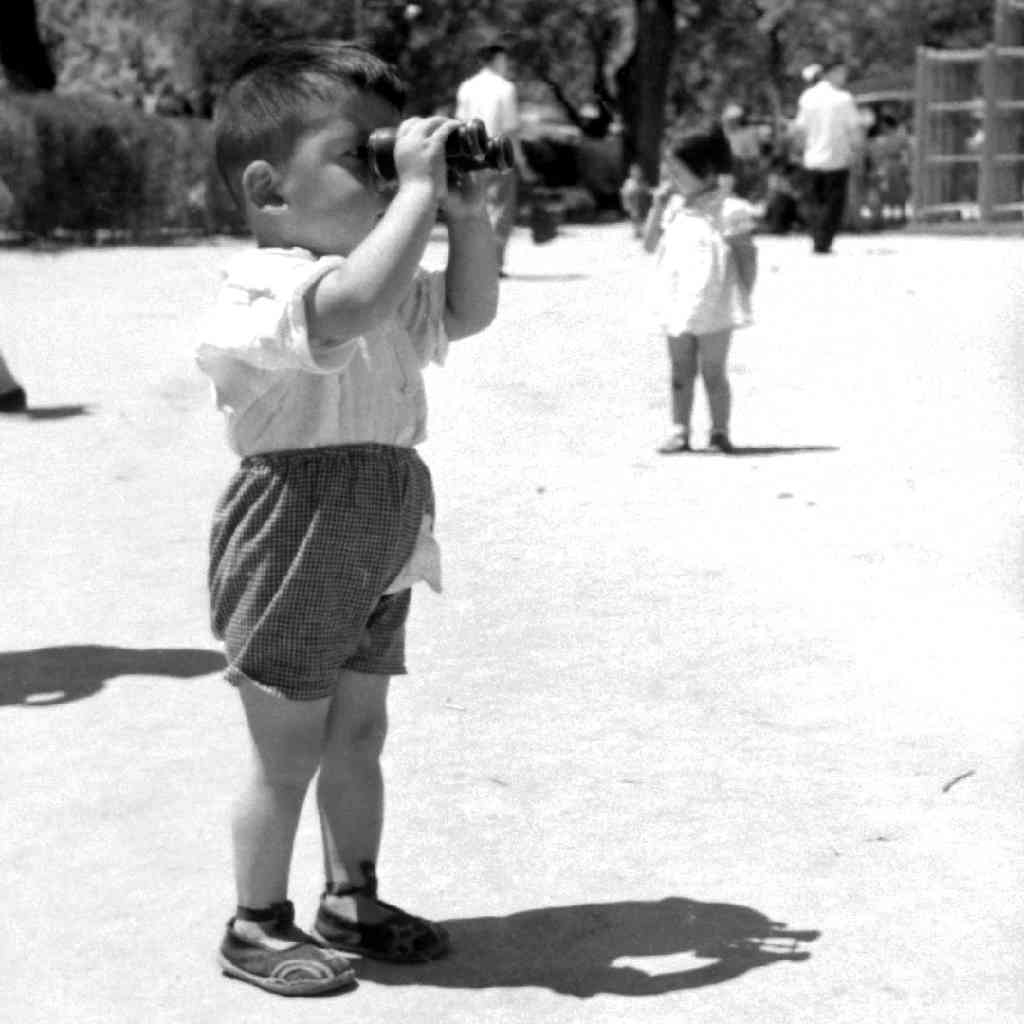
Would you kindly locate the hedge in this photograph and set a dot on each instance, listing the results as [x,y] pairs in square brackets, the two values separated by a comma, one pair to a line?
[87,168]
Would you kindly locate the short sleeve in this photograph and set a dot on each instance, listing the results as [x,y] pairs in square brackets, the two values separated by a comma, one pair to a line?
[853,118]
[421,315]
[508,112]
[260,318]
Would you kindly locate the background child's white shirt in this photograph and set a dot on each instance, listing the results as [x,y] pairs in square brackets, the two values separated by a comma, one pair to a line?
[277,393]
[697,284]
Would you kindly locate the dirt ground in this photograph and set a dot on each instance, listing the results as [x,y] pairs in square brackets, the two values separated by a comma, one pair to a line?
[687,738]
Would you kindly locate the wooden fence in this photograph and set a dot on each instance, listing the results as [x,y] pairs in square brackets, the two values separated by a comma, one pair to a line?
[969,128]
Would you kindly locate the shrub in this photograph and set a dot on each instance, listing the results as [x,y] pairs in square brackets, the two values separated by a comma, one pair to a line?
[87,168]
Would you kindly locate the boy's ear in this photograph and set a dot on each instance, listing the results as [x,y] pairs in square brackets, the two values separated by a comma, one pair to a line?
[260,184]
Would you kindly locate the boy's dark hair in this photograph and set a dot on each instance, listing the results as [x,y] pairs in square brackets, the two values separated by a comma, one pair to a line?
[705,153]
[262,110]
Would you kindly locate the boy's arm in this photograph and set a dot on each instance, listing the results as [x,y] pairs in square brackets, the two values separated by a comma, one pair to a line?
[378,272]
[471,278]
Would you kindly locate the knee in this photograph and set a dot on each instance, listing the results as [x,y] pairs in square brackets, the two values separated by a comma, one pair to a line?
[289,771]
[364,736]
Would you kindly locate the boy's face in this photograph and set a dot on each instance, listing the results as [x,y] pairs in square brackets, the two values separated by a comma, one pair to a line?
[331,201]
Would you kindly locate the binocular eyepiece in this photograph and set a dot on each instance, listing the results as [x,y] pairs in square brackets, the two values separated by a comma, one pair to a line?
[468,147]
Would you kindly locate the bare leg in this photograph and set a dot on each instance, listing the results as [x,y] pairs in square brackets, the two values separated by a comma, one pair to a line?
[350,789]
[682,352]
[287,740]
[714,355]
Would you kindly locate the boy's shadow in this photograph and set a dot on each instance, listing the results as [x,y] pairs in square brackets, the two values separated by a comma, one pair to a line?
[574,950]
[58,675]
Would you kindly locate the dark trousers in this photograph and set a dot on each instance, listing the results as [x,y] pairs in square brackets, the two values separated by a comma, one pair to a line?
[826,201]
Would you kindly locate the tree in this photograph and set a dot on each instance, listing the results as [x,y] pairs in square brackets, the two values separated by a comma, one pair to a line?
[643,82]
[24,59]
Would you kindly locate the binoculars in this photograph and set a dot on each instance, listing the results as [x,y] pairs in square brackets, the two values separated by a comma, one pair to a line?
[467,148]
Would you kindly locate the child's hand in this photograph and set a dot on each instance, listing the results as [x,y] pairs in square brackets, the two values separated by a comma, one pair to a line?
[419,152]
[663,193]
[466,194]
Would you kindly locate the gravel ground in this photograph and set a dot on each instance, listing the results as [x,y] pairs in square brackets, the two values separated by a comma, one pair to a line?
[690,738]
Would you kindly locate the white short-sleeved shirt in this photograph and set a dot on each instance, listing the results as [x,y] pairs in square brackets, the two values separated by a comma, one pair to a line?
[697,284]
[278,393]
[491,98]
[828,119]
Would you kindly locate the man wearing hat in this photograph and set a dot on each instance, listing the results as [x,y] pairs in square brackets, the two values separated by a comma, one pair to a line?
[829,128]
[490,96]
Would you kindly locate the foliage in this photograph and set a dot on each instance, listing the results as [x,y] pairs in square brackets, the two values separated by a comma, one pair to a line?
[752,50]
[174,54]
[90,166]
[651,61]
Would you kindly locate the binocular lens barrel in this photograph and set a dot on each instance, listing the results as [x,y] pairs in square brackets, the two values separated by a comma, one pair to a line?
[467,148]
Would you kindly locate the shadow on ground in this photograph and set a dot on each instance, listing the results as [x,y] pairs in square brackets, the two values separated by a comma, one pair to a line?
[58,675]
[576,950]
[57,412]
[739,451]
[545,277]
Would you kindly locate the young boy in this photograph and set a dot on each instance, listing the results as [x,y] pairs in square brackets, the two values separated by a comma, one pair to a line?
[315,354]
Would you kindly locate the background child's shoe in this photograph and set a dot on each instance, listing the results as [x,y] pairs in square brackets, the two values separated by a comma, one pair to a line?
[678,442]
[398,936]
[302,968]
[719,440]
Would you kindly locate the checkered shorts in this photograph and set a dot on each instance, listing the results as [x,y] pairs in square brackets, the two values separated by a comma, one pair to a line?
[303,547]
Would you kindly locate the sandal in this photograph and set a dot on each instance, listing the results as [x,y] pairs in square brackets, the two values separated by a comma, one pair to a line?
[400,937]
[302,969]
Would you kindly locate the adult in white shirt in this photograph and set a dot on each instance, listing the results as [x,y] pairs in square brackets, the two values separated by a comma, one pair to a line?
[490,96]
[829,128]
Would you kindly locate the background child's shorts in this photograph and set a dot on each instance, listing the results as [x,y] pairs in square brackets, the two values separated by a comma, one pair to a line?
[303,548]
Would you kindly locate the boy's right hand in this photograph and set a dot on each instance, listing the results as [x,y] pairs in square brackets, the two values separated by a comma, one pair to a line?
[420,153]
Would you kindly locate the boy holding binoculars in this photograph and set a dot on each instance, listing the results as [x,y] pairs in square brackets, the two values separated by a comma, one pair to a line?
[315,353]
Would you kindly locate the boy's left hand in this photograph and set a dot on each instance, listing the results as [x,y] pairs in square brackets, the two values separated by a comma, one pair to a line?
[466,194]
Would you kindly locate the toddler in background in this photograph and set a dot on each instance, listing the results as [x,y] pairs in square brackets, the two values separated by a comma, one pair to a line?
[706,266]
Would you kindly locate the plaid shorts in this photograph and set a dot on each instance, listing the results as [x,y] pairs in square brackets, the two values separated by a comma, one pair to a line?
[303,547]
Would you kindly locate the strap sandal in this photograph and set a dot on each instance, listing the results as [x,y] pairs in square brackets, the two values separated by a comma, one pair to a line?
[302,969]
[400,937]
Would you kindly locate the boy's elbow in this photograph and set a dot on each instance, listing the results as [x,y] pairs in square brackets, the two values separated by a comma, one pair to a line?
[466,324]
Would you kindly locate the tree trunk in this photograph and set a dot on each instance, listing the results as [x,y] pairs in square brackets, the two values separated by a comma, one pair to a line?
[23,57]
[643,83]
